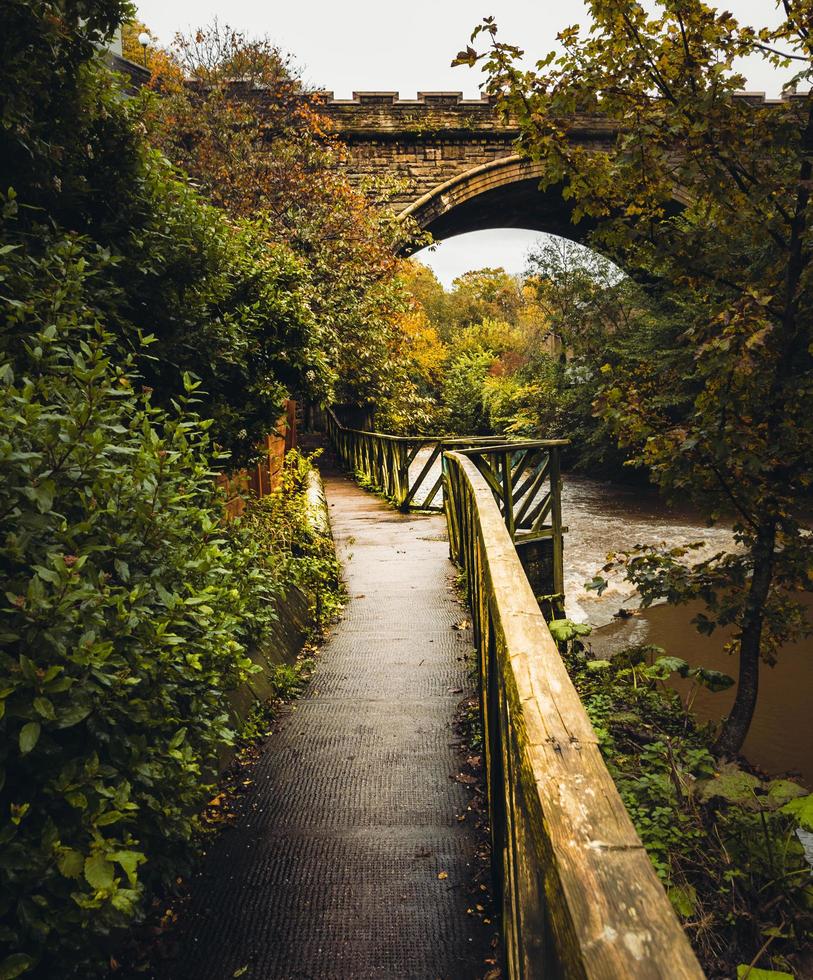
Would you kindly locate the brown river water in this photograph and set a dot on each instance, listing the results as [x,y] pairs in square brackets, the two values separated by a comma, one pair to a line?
[606,517]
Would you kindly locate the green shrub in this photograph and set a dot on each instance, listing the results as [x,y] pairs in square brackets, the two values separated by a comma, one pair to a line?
[462,393]
[224,303]
[725,843]
[294,549]
[123,618]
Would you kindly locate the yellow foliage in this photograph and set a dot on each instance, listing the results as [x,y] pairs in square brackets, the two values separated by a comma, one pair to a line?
[427,350]
[160,62]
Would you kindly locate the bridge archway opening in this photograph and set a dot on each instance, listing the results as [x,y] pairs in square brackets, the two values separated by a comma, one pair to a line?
[505,193]
[497,212]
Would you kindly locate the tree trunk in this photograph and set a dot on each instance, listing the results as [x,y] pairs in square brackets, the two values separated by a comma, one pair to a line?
[736,725]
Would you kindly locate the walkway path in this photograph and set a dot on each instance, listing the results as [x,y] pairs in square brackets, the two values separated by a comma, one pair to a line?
[331,871]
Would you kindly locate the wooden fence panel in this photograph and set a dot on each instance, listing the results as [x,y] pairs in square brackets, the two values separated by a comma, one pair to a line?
[523,474]
[580,897]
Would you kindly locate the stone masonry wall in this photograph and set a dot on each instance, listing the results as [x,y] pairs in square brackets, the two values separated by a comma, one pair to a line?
[422,142]
[439,135]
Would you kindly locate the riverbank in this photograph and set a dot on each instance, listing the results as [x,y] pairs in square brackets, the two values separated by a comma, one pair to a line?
[729,846]
[606,517]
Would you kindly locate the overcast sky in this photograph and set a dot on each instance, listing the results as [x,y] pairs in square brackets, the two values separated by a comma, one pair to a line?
[370,45]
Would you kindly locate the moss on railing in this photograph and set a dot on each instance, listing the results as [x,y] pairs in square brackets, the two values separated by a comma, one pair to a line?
[580,896]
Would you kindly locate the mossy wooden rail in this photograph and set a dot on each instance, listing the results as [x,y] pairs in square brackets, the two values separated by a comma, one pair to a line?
[580,898]
[386,462]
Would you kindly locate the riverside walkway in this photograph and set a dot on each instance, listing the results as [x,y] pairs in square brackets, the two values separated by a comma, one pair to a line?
[347,859]
[332,867]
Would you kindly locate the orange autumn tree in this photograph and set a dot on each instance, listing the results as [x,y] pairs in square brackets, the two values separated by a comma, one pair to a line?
[237,118]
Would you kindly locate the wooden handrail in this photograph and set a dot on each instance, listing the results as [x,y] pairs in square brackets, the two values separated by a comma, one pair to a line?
[580,898]
[501,447]
[384,460]
[523,474]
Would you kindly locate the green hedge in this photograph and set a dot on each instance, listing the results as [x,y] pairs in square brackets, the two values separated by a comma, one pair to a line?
[123,622]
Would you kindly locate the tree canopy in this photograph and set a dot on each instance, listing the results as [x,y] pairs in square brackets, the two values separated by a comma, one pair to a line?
[705,196]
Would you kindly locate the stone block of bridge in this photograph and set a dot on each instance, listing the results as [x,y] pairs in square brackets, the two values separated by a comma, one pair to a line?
[422,142]
[455,160]
[443,151]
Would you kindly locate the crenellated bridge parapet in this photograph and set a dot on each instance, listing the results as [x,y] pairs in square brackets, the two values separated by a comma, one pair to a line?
[441,144]
[457,159]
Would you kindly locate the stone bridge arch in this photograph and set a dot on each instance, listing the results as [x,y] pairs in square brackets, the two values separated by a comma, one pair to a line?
[504,193]
[455,161]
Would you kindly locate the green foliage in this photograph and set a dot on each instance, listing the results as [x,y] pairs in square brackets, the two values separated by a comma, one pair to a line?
[463,342]
[137,352]
[476,296]
[550,335]
[287,682]
[745,972]
[125,617]
[296,547]
[224,304]
[273,161]
[722,415]
[462,393]
[44,49]
[529,400]
[722,839]
[564,630]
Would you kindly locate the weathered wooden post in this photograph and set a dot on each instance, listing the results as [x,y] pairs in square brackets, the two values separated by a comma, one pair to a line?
[556,520]
[508,493]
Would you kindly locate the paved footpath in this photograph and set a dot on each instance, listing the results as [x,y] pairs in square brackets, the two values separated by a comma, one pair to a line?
[331,870]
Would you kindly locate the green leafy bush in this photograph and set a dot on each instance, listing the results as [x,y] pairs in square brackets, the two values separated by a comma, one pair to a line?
[45,46]
[724,841]
[462,393]
[295,549]
[224,303]
[123,621]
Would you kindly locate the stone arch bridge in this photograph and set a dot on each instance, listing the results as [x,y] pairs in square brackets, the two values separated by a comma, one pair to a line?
[458,160]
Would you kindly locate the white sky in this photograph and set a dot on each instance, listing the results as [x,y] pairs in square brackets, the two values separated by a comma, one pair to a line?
[374,45]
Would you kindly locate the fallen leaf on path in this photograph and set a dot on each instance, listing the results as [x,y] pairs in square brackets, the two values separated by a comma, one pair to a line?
[442,876]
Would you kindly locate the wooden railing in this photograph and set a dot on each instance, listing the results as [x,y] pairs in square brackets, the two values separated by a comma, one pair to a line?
[579,895]
[523,475]
[405,468]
